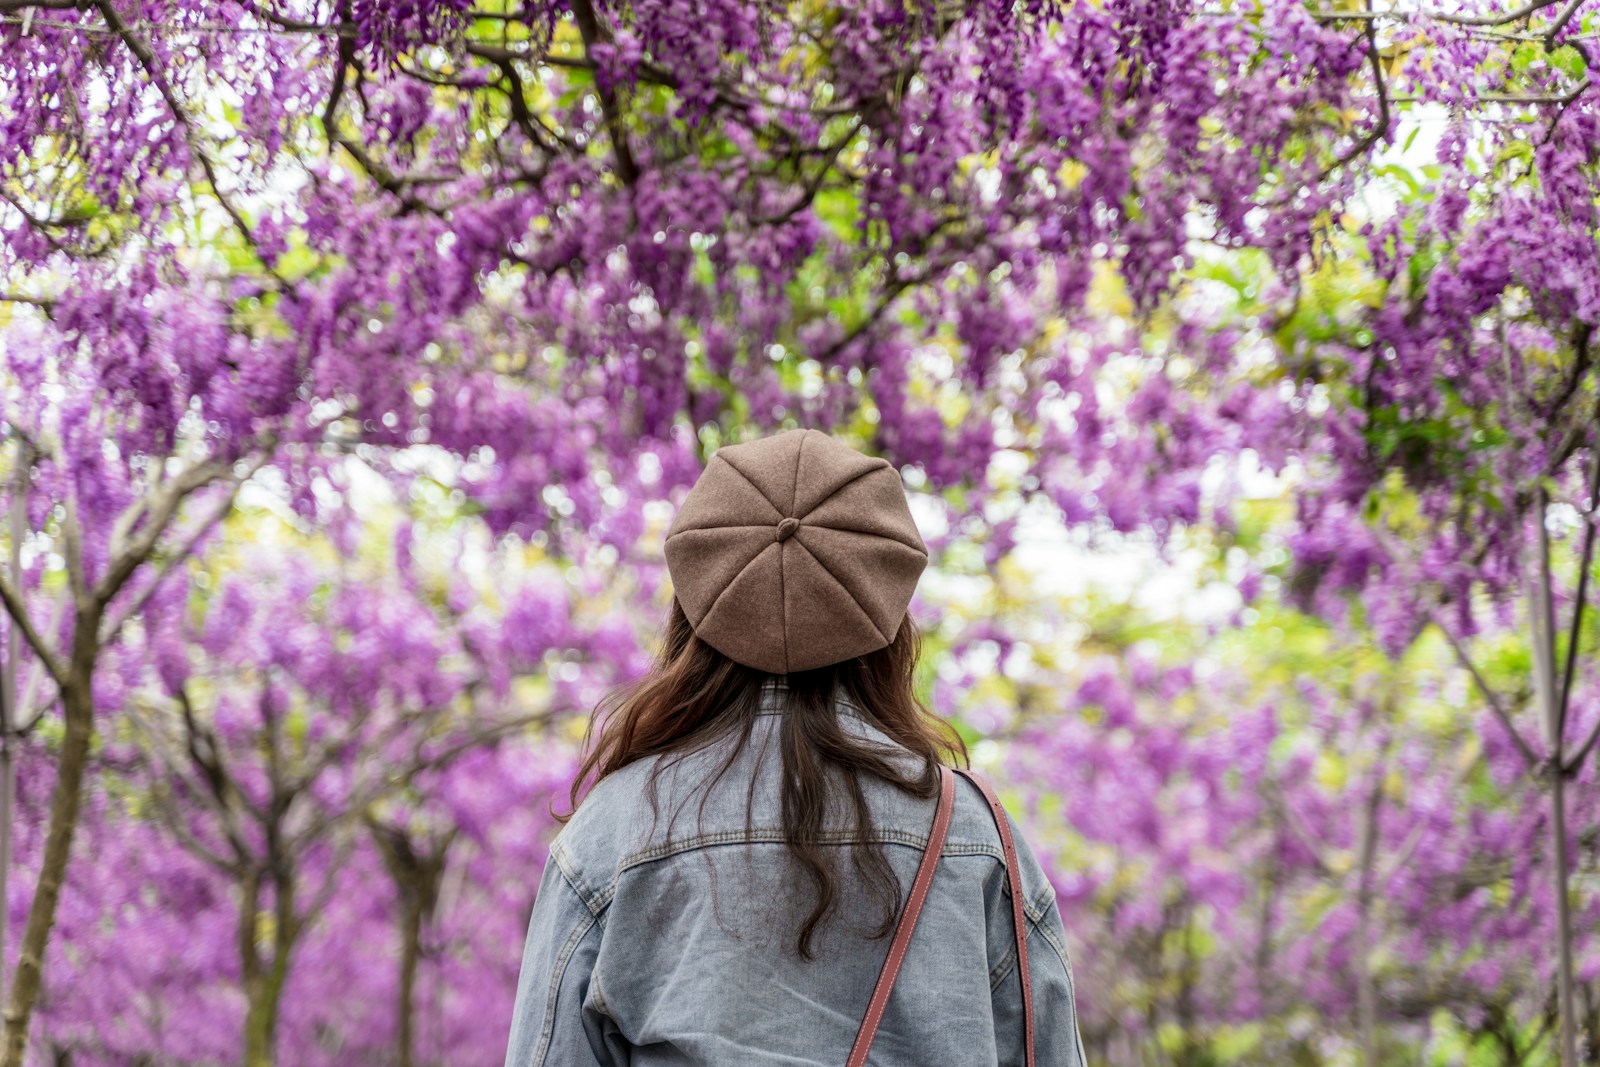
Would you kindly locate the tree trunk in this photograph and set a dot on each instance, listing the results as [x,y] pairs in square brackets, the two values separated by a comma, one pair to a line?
[416,877]
[1366,989]
[9,694]
[65,802]
[410,953]
[264,980]
[8,795]
[265,997]
[1551,700]
[1566,1001]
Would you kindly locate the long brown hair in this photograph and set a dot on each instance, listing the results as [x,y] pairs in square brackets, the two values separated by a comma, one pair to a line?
[694,696]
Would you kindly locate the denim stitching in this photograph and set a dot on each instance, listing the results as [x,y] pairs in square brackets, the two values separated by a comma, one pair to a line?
[740,836]
[998,972]
[1035,911]
[1072,988]
[602,900]
[599,994]
[1049,932]
[579,932]
[574,879]
[1035,914]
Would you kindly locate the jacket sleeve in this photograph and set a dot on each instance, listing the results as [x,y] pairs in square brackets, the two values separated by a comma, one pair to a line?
[557,1019]
[1056,1039]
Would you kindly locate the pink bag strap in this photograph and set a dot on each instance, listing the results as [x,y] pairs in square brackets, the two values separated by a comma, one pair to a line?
[908,919]
[1018,917]
[919,893]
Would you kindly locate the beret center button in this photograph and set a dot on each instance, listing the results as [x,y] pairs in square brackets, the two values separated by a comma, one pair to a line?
[786,528]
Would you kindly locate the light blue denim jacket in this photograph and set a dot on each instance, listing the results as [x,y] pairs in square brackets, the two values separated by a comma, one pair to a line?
[645,949]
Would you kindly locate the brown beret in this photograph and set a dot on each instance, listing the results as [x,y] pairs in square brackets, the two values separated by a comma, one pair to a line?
[795,551]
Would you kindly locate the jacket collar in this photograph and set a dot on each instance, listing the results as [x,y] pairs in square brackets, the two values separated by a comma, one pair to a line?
[772,695]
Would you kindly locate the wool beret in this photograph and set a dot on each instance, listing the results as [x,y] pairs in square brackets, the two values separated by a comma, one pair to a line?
[795,551]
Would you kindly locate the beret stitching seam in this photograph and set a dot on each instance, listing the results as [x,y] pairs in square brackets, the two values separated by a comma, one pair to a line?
[881,465]
[783,607]
[783,553]
[794,489]
[733,526]
[736,575]
[848,592]
[735,581]
[868,533]
[751,482]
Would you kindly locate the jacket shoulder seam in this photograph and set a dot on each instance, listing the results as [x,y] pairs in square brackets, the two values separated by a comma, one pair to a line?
[881,835]
[1033,912]
[594,900]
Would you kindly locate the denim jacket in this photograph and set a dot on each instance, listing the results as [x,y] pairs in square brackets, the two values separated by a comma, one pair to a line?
[648,948]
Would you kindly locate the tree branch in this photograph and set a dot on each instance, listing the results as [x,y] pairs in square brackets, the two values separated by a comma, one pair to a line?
[1465,659]
[161,508]
[590,28]
[184,550]
[17,608]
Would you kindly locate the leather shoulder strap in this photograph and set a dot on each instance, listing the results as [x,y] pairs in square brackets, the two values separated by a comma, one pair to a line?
[1018,917]
[908,920]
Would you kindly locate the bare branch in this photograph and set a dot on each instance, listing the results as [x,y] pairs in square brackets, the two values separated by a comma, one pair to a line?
[40,302]
[1542,624]
[1496,705]
[1584,565]
[72,538]
[1380,128]
[592,31]
[172,767]
[1504,19]
[1402,855]
[183,551]
[1489,695]
[360,799]
[1560,22]
[161,506]
[17,608]
[31,690]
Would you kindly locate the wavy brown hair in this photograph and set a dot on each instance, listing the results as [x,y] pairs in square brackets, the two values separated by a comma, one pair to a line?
[694,696]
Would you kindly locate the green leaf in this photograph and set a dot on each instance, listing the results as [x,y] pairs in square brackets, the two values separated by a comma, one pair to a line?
[1568,60]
